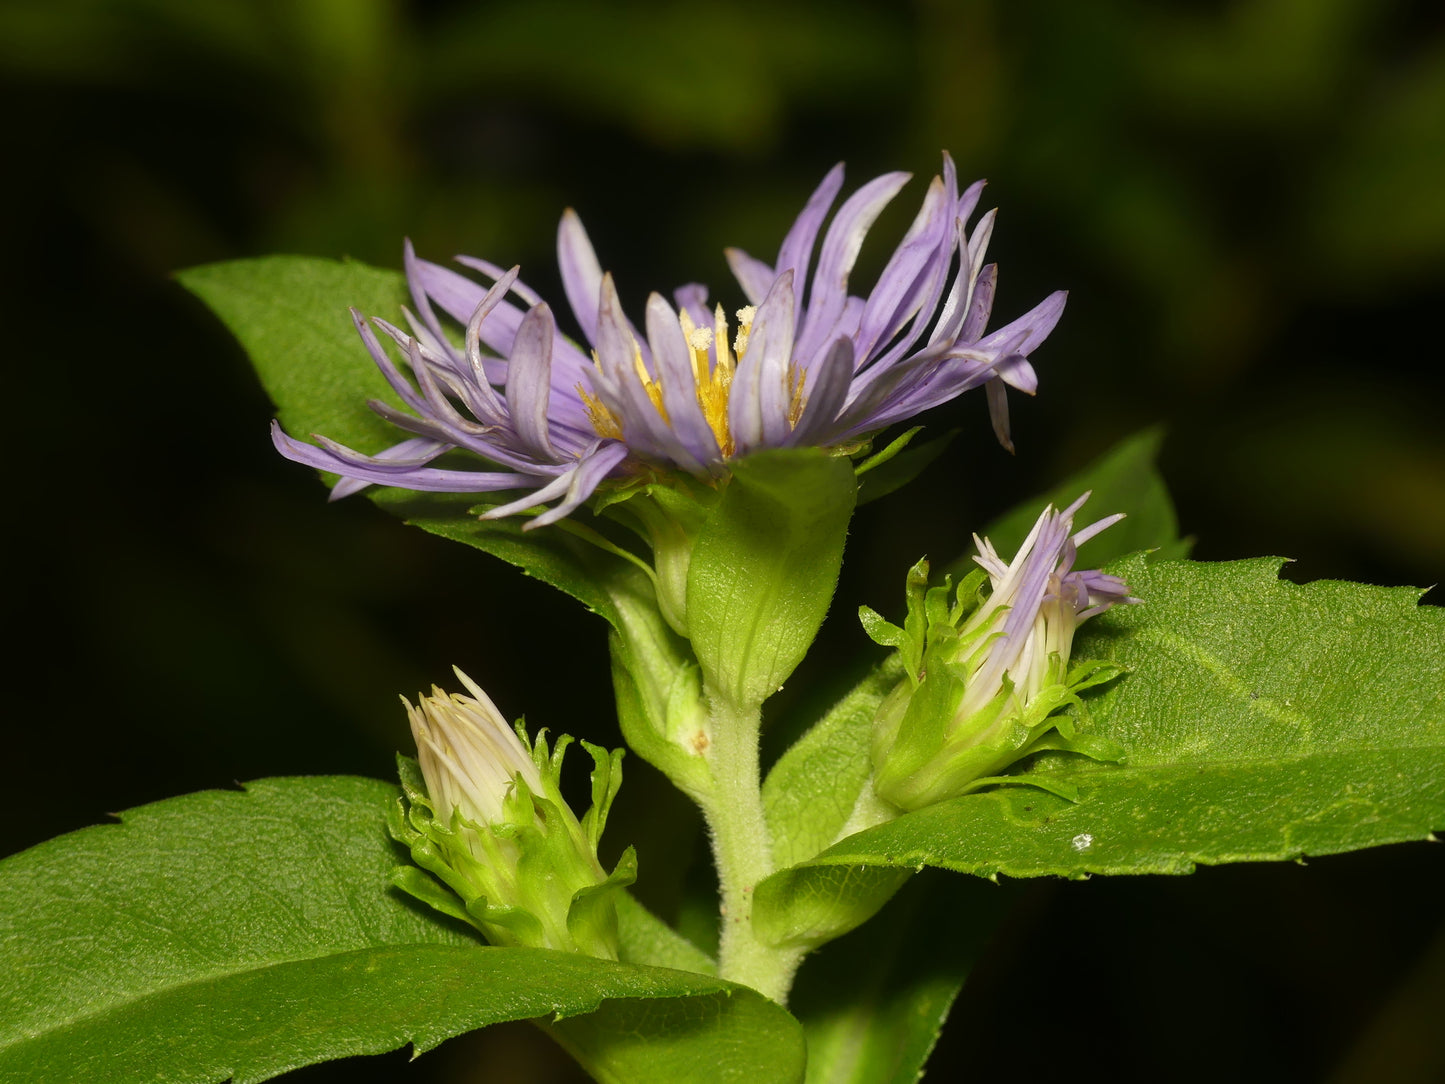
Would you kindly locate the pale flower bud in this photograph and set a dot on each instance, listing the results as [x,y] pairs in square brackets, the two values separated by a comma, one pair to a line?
[483,814]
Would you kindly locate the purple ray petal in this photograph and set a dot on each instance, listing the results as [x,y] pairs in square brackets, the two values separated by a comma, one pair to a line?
[998,413]
[425,478]
[584,481]
[754,276]
[415,451]
[1025,334]
[495,272]
[827,391]
[917,265]
[758,403]
[840,250]
[581,273]
[1086,533]
[485,441]
[399,383]
[980,305]
[620,389]
[797,246]
[679,383]
[692,299]
[529,379]
[459,297]
[1015,371]
[969,200]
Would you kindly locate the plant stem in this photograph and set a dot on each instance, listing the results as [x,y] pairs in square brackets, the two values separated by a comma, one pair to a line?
[742,850]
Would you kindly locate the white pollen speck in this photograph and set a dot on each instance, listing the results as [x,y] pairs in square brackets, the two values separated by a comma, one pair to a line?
[1082,842]
[700,338]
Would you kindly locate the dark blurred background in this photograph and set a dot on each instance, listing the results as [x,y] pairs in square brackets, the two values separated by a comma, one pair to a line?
[1246,199]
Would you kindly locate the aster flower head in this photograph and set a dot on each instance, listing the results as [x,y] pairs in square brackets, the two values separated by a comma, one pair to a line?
[804,363]
[483,814]
[988,665]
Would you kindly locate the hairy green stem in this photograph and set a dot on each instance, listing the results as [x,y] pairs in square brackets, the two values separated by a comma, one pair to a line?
[742,850]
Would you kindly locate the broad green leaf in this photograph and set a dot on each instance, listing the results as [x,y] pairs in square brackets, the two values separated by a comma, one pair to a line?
[764,566]
[872,1004]
[290,314]
[1263,720]
[1124,479]
[241,934]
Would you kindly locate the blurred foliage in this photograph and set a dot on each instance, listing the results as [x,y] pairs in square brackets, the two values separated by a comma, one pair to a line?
[1246,197]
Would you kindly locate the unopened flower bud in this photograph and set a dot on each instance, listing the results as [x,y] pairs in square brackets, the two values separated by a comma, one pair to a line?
[482,813]
[988,666]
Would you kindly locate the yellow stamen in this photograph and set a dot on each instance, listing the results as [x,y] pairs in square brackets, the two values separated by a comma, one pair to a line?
[652,387]
[602,419]
[745,316]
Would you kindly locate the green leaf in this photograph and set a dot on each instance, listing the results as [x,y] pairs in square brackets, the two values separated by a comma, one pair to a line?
[809,797]
[645,939]
[811,791]
[290,314]
[873,1003]
[553,556]
[764,567]
[677,1039]
[241,934]
[897,465]
[1125,479]
[1263,720]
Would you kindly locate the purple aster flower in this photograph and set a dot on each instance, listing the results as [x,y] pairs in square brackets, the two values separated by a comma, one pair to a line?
[806,362]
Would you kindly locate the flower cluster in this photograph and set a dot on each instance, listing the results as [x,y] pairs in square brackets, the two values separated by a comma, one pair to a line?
[988,670]
[483,814]
[806,362]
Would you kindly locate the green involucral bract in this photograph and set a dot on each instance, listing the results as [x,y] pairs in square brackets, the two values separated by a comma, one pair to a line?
[530,878]
[927,743]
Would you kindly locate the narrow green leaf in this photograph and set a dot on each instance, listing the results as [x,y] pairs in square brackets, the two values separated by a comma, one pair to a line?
[552,556]
[241,934]
[892,469]
[1263,721]
[764,567]
[1125,479]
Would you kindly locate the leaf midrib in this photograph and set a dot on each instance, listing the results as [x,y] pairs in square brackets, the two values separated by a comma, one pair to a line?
[1197,765]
